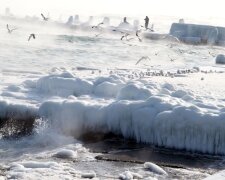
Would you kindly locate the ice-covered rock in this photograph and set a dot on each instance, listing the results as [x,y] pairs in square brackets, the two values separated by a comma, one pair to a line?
[107,89]
[89,175]
[181,21]
[66,154]
[64,85]
[128,175]
[195,33]
[76,20]
[220,59]
[154,168]
[133,92]
[70,21]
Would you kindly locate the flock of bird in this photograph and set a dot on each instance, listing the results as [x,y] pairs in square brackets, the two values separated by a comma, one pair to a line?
[125,36]
[32,35]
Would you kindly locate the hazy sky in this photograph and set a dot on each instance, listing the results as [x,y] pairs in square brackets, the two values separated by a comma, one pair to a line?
[192,8]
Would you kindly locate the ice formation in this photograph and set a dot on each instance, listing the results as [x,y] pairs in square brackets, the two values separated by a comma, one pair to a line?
[128,175]
[154,168]
[66,154]
[195,33]
[220,59]
[158,114]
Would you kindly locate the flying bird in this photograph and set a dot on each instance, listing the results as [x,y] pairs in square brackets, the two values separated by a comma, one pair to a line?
[143,58]
[171,59]
[125,36]
[44,18]
[213,55]
[98,25]
[97,35]
[10,30]
[150,29]
[31,36]
[137,35]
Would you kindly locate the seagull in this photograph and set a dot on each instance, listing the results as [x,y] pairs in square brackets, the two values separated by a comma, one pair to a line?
[44,18]
[137,34]
[31,36]
[150,29]
[99,25]
[125,36]
[70,40]
[10,30]
[143,58]
[97,35]
[171,59]
[213,55]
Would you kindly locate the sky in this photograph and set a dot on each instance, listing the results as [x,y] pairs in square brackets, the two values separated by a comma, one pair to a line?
[187,8]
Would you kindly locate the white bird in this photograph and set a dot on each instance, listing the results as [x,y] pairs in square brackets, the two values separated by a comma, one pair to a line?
[137,35]
[213,55]
[98,25]
[125,36]
[97,35]
[10,30]
[143,58]
[150,29]
[31,36]
[171,59]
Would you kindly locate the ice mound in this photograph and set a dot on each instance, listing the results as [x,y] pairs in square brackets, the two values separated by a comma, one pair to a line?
[133,92]
[149,112]
[107,89]
[16,119]
[89,175]
[220,59]
[128,175]
[64,85]
[165,121]
[13,110]
[34,164]
[66,154]
[154,168]
[36,170]
[217,176]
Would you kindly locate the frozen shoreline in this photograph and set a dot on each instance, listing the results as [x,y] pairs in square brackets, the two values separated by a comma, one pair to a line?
[69,82]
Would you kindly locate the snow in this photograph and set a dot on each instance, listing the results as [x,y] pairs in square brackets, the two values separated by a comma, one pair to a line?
[64,85]
[128,175]
[66,154]
[154,168]
[144,110]
[218,176]
[91,84]
[133,92]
